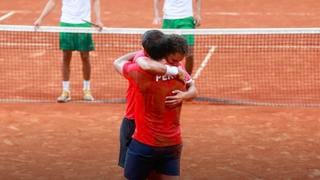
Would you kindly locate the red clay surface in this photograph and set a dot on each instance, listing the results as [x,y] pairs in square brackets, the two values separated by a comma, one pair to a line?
[215,13]
[80,141]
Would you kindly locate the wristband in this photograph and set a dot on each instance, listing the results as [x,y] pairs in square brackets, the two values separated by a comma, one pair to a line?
[172,70]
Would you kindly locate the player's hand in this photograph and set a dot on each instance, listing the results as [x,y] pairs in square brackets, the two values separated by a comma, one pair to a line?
[157,20]
[197,21]
[182,74]
[175,99]
[37,23]
[99,25]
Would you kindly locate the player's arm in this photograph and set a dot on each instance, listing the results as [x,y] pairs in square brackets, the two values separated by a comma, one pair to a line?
[180,96]
[49,6]
[197,13]
[158,68]
[156,11]
[191,92]
[96,8]
[121,61]
[151,66]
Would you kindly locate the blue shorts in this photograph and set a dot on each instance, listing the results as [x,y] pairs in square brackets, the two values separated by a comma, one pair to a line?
[126,131]
[142,159]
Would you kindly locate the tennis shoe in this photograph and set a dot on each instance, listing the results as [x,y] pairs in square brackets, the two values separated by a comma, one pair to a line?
[64,97]
[87,96]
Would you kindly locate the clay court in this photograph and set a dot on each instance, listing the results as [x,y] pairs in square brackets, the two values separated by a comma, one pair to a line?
[80,140]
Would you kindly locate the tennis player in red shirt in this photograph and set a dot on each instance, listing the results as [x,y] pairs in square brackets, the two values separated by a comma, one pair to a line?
[157,139]
[152,41]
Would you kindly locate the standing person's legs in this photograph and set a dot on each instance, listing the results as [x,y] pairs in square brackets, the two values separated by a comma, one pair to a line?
[154,163]
[85,45]
[86,73]
[165,177]
[66,59]
[66,45]
[86,67]
[126,131]
[139,161]
[76,42]
[67,55]
[168,165]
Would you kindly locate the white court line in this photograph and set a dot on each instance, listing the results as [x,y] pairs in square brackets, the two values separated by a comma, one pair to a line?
[222,13]
[7,15]
[204,62]
[122,45]
[216,13]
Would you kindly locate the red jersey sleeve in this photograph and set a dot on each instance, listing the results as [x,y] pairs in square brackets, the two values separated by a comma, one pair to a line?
[131,69]
[138,54]
[126,69]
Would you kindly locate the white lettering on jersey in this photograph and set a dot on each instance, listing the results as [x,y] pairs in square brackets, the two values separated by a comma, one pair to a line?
[164,78]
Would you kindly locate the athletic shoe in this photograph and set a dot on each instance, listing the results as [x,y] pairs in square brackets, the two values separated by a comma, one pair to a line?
[87,96]
[65,97]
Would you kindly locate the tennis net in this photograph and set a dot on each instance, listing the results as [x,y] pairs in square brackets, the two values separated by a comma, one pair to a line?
[276,66]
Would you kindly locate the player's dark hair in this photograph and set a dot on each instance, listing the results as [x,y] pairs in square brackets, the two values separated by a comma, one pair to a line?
[177,44]
[154,43]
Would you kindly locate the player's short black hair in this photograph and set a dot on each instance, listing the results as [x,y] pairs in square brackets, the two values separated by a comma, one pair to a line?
[154,43]
[177,44]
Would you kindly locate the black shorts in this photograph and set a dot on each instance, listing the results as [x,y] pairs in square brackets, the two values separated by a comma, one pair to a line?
[143,159]
[126,131]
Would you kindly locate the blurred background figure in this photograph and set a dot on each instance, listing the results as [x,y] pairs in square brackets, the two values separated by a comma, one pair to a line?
[75,13]
[179,14]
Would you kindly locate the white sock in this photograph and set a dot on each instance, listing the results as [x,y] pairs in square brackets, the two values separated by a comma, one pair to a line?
[86,85]
[66,85]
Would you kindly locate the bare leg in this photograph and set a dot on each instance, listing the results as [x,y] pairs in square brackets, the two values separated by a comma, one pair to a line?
[166,177]
[189,60]
[86,70]
[65,96]
[86,67]
[157,176]
[154,176]
[67,55]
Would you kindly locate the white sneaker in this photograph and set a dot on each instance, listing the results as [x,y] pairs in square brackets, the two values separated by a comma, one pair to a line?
[64,97]
[87,96]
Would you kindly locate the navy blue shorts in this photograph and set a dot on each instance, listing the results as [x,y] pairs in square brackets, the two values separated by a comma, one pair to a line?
[126,131]
[141,159]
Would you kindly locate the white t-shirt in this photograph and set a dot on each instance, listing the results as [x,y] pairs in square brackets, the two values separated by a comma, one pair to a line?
[73,11]
[177,9]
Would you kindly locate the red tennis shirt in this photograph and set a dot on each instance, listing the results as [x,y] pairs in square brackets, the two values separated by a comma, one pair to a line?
[156,124]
